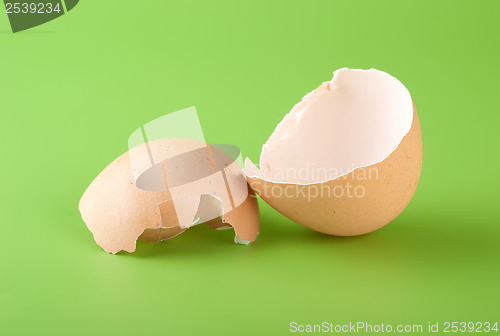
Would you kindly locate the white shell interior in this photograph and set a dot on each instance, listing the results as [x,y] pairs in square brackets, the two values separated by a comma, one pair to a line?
[355,120]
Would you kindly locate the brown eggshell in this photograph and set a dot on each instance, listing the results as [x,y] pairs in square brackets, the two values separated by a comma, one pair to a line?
[244,218]
[160,234]
[117,212]
[387,192]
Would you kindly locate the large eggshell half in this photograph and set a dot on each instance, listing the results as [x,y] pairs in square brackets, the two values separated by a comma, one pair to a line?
[118,208]
[381,180]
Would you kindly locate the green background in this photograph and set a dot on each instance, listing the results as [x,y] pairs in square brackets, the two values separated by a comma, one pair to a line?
[74,89]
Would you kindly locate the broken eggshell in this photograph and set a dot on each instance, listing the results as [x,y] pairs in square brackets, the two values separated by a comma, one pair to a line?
[347,159]
[159,189]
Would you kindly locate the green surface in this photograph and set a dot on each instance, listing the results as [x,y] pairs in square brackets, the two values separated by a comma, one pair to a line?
[74,89]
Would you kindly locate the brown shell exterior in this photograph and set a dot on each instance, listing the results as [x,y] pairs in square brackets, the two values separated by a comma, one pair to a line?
[117,212]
